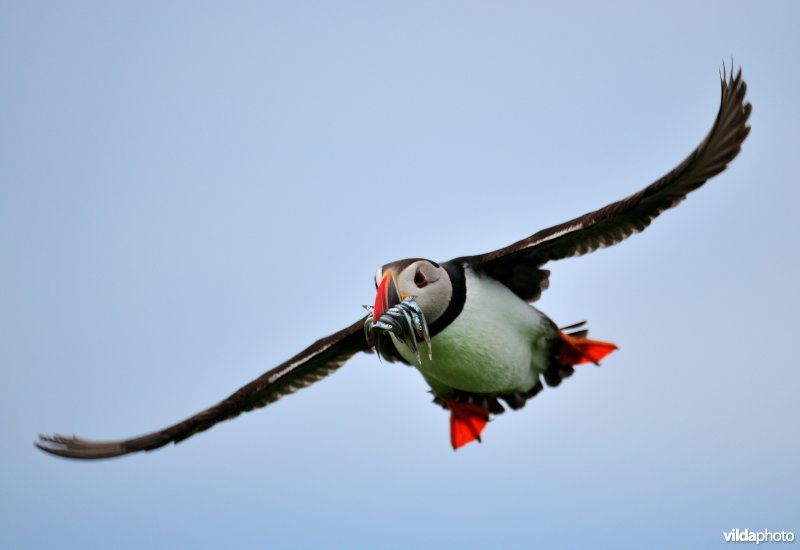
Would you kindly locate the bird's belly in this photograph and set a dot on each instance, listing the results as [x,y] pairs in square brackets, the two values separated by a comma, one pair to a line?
[498,344]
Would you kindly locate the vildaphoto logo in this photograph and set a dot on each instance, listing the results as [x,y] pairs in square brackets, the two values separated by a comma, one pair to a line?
[746,535]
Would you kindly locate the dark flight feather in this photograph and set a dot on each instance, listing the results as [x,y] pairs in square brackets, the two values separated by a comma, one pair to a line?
[519,265]
[310,365]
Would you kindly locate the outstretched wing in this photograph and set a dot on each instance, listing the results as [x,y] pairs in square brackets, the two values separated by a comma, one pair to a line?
[519,265]
[314,363]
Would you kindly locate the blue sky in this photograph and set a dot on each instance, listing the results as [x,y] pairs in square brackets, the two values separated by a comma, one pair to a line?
[191,193]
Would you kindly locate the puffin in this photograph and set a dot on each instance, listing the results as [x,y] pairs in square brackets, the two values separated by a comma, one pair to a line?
[467,324]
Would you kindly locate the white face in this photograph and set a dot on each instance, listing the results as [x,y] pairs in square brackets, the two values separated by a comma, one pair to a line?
[428,282]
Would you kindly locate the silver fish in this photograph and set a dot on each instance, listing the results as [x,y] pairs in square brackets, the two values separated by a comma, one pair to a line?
[405,321]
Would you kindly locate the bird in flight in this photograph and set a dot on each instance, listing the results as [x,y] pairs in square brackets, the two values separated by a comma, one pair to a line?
[467,324]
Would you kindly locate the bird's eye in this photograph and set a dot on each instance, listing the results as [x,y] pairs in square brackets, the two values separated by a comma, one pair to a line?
[419,279]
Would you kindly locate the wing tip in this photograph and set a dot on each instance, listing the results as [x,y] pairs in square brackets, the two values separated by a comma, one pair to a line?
[52,444]
[75,447]
[735,85]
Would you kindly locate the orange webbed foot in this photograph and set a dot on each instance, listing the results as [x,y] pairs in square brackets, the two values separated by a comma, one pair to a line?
[579,349]
[466,422]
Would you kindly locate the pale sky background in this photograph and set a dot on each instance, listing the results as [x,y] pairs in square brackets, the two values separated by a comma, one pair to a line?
[190,193]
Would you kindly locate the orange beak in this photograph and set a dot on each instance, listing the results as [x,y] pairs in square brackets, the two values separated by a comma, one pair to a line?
[387,295]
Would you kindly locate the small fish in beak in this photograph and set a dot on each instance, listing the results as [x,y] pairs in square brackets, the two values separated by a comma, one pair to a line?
[402,318]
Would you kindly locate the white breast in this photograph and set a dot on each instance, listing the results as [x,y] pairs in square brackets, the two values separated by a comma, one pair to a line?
[497,344]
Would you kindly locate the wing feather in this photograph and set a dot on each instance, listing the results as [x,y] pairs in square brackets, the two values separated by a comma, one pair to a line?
[310,365]
[518,265]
